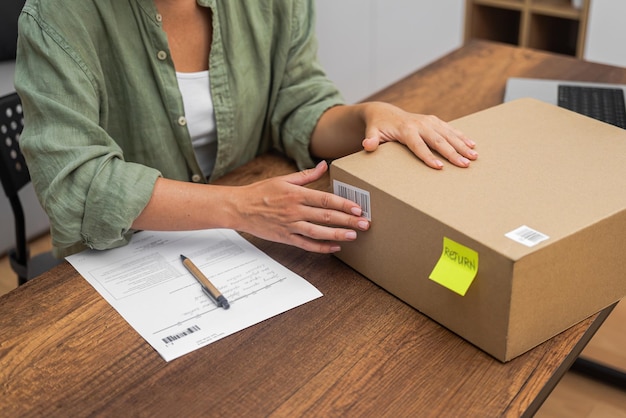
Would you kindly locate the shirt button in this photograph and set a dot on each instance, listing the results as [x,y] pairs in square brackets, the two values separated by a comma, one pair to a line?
[196,178]
[162,55]
[158,17]
[182,121]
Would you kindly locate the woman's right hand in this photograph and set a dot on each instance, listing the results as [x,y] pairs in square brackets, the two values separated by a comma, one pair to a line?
[281,209]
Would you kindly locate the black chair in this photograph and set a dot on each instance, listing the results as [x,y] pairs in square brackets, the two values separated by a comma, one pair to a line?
[14,175]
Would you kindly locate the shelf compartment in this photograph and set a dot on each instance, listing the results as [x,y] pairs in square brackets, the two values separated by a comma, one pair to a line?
[555,34]
[556,8]
[495,24]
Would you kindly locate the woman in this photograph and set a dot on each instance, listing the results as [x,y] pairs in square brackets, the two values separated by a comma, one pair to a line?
[130,105]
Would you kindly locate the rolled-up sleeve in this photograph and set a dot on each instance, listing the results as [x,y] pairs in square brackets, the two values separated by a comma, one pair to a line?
[91,194]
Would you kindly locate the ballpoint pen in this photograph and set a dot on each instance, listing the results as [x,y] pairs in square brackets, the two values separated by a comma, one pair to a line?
[207,287]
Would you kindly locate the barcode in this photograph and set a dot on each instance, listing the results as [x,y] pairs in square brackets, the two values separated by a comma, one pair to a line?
[527,236]
[181,334]
[359,196]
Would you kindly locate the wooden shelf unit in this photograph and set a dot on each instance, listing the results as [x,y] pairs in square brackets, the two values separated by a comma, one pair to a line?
[550,25]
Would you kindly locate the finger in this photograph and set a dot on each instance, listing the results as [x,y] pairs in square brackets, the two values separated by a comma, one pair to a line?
[329,201]
[446,140]
[423,152]
[466,140]
[322,232]
[305,177]
[443,146]
[333,218]
[370,144]
[462,144]
[311,245]
[317,238]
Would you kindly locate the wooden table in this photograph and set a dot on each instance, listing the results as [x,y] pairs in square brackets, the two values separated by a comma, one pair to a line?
[357,351]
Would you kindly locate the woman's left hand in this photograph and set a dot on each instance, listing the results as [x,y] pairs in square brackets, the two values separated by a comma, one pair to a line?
[420,133]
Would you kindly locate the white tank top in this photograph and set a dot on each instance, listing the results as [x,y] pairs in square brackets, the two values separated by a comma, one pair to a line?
[196,91]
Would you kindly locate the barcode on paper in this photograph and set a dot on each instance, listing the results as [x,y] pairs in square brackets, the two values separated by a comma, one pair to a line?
[359,196]
[181,334]
[526,236]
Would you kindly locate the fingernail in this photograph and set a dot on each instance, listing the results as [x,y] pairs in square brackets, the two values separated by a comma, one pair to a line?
[472,153]
[356,211]
[363,225]
[351,235]
[464,161]
[335,248]
[439,164]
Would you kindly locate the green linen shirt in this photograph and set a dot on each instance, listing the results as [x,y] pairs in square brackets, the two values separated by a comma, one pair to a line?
[104,116]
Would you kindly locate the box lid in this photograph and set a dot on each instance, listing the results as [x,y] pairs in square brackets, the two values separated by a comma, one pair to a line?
[540,166]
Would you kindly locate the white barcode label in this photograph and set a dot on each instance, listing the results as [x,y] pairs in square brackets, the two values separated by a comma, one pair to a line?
[359,196]
[526,236]
[181,334]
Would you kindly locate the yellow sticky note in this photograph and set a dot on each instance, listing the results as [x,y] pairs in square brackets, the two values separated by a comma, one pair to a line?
[456,268]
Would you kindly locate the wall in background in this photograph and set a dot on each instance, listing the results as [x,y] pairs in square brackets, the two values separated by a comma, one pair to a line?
[606,32]
[365,45]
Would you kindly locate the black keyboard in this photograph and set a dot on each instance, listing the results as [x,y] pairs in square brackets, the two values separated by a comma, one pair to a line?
[602,103]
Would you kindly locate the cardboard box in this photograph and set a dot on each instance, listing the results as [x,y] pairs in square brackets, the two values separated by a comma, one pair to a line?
[539,218]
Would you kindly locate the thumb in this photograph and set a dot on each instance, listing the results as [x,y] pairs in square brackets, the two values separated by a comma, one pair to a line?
[371,143]
[373,138]
[307,176]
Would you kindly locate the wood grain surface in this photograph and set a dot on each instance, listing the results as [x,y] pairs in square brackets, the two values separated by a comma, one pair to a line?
[357,351]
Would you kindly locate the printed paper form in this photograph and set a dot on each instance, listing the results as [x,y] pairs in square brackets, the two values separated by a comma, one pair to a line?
[148,285]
